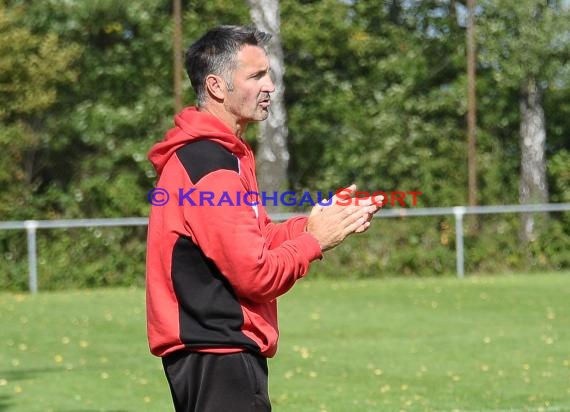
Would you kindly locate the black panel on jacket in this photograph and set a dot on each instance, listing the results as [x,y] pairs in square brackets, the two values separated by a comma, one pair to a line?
[210,314]
[205,156]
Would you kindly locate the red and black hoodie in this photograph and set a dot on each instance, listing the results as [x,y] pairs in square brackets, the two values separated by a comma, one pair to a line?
[216,267]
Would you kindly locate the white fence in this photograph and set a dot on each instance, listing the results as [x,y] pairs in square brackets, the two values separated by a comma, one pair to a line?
[458,212]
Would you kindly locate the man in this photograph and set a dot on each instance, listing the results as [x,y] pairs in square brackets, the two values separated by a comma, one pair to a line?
[215,262]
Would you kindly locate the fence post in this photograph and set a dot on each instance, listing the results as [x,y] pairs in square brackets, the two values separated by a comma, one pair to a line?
[458,212]
[31,226]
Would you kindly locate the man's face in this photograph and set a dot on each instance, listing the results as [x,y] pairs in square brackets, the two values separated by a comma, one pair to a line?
[248,100]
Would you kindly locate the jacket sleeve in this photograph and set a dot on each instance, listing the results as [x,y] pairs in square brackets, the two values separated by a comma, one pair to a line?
[230,234]
[277,233]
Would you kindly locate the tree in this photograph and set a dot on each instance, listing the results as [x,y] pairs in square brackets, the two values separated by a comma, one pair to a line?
[97,132]
[32,70]
[471,104]
[377,98]
[523,44]
[272,150]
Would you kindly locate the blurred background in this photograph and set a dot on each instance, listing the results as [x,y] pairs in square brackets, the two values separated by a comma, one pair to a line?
[467,103]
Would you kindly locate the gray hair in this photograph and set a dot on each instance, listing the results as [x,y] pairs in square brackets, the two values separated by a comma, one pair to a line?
[215,53]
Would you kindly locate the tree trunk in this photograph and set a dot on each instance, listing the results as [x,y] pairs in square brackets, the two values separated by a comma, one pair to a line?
[471,106]
[395,11]
[178,54]
[533,184]
[472,220]
[272,152]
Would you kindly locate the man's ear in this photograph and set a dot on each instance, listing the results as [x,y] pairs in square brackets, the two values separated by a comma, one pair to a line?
[216,86]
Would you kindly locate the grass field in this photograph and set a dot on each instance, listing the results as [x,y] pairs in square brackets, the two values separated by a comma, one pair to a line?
[497,343]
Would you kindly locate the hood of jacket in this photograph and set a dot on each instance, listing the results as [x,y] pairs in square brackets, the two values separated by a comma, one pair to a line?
[191,125]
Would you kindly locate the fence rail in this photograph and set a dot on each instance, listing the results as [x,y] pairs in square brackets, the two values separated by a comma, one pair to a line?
[31,226]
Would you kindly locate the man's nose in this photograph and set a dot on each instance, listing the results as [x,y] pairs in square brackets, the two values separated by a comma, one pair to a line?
[269,86]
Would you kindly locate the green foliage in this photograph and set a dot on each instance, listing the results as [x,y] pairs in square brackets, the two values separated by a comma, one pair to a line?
[426,246]
[93,135]
[91,257]
[376,95]
[559,172]
[393,112]
[75,258]
[31,68]
[522,39]
[518,41]
[390,247]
